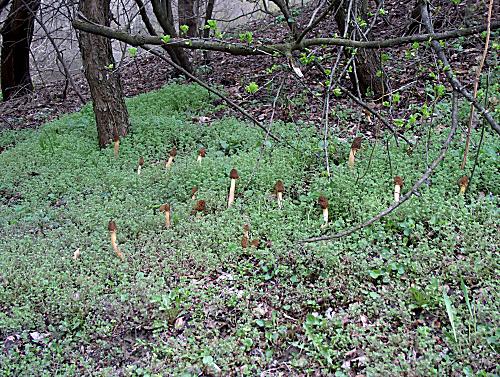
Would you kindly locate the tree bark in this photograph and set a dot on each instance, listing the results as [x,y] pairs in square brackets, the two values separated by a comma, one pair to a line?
[17,34]
[163,12]
[366,61]
[187,16]
[110,112]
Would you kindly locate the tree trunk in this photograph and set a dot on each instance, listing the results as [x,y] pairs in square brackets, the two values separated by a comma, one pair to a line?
[163,12]
[111,114]
[366,60]
[187,16]
[17,34]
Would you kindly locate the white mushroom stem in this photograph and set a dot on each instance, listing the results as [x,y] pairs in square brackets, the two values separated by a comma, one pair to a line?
[169,162]
[280,199]
[325,215]
[230,199]
[139,170]
[115,245]
[199,158]
[397,192]
[352,154]
[462,189]
[194,196]
[117,148]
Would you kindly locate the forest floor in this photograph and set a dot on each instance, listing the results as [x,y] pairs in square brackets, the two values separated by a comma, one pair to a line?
[415,294]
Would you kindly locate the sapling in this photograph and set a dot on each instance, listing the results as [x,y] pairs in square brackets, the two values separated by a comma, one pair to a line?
[355,147]
[279,188]
[463,183]
[398,183]
[139,167]
[201,154]
[171,157]
[234,176]
[166,209]
[112,233]
[193,192]
[323,203]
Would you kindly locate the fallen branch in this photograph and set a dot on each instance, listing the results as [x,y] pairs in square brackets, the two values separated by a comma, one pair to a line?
[413,190]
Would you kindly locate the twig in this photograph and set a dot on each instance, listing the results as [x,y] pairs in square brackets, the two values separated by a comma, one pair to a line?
[413,190]
[210,89]
[476,83]
[476,160]
[457,86]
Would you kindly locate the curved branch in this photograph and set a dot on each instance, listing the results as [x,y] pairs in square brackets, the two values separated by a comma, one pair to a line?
[282,48]
[415,187]
[452,79]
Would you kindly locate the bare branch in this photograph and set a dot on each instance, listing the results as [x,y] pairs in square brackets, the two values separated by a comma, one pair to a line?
[457,86]
[413,190]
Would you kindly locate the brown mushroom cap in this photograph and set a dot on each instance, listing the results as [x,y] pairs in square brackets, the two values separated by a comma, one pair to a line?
[173,152]
[116,138]
[323,202]
[200,206]
[244,242]
[164,208]
[112,226]
[356,143]
[202,152]
[279,187]
[234,174]
[255,243]
[464,181]
[398,180]
[141,161]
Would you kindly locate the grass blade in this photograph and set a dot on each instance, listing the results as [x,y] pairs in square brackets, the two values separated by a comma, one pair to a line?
[450,310]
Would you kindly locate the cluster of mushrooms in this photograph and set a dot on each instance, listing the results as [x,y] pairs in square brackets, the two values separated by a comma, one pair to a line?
[279,189]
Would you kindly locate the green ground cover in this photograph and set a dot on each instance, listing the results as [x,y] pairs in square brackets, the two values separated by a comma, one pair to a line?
[415,294]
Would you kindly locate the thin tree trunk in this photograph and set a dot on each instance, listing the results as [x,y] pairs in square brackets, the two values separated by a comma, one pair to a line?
[163,12]
[17,34]
[187,16]
[366,62]
[111,114]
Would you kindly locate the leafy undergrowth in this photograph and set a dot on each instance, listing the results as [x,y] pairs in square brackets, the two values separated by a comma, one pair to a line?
[414,294]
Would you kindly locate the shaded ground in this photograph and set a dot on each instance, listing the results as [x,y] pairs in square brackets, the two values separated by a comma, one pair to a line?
[407,69]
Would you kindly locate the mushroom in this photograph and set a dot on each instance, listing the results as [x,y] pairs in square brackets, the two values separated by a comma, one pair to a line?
[255,243]
[323,203]
[193,192]
[234,176]
[246,230]
[112,233]
[139,167]
[355,146]
[200,207]
[172,154]
[166,208]
[116,141]
[463,183]
[279,189]
[244,242]
[398,183]
[201,154]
